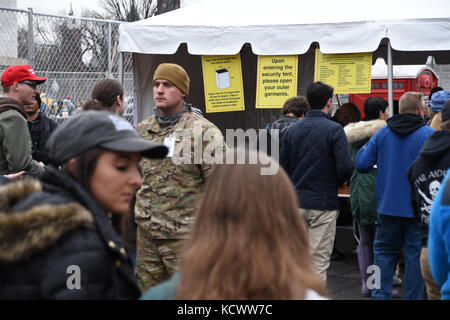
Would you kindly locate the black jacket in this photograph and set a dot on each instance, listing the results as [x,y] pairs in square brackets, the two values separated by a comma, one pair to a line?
[316,155]
[40,132]
[56,242]
[281,125]
[426,174]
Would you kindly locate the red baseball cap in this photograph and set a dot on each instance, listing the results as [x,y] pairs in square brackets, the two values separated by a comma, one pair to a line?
[19,73]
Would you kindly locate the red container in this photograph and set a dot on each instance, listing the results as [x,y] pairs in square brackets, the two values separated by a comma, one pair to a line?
[417,78]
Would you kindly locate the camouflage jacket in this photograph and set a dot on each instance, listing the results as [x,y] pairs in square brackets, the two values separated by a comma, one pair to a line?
[171,188]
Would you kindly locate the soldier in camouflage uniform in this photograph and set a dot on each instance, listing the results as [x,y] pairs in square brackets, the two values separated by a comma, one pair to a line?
[171,188]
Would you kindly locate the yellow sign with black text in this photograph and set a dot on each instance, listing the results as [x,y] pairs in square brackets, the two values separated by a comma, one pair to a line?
[276,81]
[222,80]
[346,73]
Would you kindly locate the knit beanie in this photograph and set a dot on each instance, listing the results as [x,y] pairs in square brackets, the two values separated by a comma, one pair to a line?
[438,99]
[175,74]
[445,112]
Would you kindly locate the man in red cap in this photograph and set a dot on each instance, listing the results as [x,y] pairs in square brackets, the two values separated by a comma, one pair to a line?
[19,85]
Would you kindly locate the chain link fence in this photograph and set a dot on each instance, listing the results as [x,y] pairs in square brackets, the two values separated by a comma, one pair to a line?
[73,53]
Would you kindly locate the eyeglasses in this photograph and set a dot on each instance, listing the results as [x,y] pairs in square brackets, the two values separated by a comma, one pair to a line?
[30,84]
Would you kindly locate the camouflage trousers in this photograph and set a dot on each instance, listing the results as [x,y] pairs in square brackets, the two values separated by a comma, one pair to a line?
[157,260]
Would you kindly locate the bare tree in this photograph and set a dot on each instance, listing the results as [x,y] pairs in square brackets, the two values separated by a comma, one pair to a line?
[93,34]
[95,44]
[128,10]
[56,45]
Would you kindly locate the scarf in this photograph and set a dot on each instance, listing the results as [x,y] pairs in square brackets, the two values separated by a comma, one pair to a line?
[165,121]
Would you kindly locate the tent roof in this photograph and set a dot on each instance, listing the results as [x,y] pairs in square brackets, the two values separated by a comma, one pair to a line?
[217,27]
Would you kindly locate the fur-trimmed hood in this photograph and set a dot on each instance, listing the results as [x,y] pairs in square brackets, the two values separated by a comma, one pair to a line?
[25,232]
[362,130]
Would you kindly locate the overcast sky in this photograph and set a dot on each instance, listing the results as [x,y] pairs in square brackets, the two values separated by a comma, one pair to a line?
[58,6]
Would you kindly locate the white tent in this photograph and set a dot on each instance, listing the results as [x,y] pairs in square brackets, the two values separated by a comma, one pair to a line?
[413,29]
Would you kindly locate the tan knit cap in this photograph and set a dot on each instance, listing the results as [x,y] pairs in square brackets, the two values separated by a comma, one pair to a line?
[175,74]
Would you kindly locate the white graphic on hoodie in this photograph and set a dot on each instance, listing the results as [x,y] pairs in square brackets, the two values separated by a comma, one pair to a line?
[427,202]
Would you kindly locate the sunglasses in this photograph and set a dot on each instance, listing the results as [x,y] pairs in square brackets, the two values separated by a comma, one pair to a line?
[30,84]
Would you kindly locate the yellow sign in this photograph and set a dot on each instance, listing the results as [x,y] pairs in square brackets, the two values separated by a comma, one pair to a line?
[346,73]
[46,99]
[222,79]
[276,80]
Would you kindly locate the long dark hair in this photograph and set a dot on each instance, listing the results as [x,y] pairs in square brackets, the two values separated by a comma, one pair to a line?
[104,95]
[84,167]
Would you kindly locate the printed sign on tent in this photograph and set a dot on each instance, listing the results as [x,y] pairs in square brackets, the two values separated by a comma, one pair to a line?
[276,81]
[222,80]
[346,73]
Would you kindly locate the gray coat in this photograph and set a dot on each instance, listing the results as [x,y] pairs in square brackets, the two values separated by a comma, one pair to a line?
[15,141]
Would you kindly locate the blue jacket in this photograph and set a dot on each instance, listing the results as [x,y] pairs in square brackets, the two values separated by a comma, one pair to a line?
[439,239]
[164,291]
[393,148]
[168,289]
[316,156]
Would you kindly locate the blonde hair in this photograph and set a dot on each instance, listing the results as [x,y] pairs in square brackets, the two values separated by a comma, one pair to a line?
[436,121]
[248,239]
[428,113]
[409,102]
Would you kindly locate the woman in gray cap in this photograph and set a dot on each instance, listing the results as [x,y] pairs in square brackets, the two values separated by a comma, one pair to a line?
[56,238]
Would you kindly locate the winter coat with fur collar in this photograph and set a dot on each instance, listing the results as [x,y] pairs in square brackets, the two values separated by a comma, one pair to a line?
[56,242]
[362,185]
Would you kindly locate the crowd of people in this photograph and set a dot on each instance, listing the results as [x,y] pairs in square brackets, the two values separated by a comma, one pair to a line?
[95,209]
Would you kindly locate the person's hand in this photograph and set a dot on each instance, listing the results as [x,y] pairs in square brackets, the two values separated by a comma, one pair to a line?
[15,175]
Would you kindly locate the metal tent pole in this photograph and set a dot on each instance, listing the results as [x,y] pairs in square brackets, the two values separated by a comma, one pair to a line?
[121,73]
[30,38]
[390,76]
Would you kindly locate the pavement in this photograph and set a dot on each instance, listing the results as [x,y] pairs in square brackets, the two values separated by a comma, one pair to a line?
[343,277]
